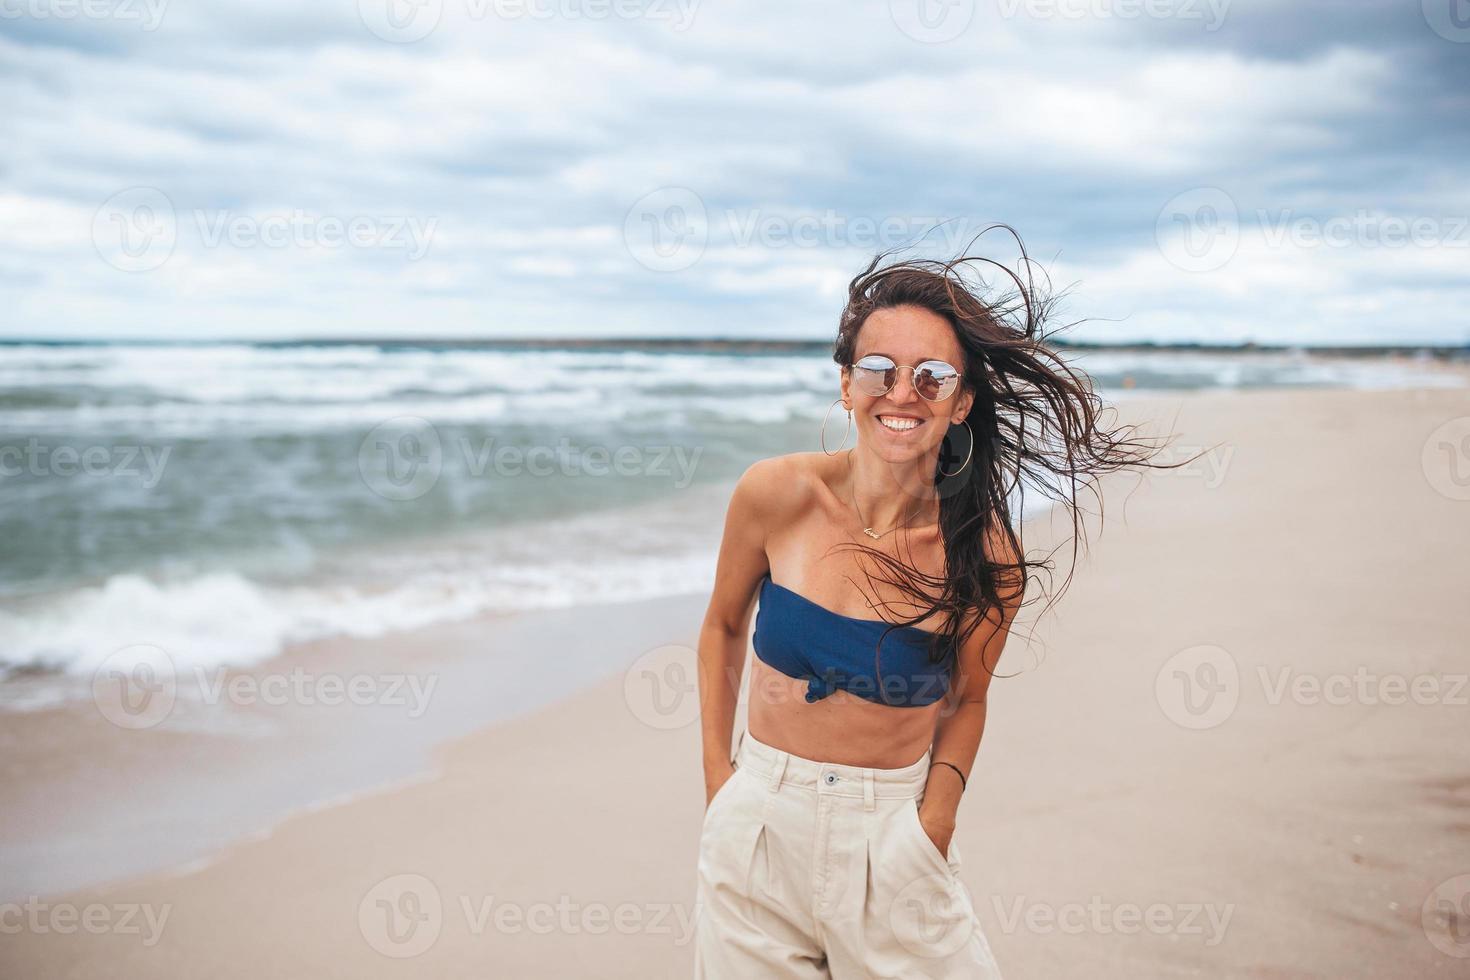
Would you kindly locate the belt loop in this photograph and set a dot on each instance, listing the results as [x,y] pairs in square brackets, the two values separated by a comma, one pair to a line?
[778,771]
[868,803]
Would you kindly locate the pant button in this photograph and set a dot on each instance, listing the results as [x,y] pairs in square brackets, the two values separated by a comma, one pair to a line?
[831,778]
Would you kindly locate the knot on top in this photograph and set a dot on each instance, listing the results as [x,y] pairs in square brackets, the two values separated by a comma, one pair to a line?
[819,687]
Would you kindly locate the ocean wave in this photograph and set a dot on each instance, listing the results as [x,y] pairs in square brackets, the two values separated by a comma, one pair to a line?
[226,619]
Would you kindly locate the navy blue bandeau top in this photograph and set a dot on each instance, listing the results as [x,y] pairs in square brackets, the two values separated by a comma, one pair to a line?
[831,651]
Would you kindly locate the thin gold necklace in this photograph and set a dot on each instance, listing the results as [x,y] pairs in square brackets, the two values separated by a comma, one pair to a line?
[875,535]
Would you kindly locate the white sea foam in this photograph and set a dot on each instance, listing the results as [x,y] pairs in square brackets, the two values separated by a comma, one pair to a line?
[226,619]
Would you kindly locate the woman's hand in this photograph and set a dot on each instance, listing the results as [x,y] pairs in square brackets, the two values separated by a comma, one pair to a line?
[713,782]
[938,822]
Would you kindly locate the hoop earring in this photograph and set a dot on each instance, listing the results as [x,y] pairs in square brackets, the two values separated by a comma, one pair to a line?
[968,454]
[845,432]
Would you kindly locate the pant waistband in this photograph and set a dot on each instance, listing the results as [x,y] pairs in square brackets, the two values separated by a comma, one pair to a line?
[780,768]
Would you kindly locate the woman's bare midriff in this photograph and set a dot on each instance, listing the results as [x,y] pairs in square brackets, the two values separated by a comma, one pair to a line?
[841,728]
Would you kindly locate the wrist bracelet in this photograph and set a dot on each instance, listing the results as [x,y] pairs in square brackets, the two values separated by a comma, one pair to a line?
[956,772]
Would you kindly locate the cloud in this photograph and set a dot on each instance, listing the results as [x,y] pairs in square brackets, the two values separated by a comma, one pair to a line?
[535,168]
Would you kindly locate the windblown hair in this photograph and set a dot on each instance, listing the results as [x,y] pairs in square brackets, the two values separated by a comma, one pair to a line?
[1036,423]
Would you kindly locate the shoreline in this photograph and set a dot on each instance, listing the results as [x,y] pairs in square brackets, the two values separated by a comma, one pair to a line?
[244,748]
[251,737]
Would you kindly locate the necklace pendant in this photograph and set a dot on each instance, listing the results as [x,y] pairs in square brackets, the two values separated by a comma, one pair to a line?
[871,533]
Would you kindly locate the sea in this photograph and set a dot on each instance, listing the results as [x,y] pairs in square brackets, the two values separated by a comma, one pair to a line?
[226,501]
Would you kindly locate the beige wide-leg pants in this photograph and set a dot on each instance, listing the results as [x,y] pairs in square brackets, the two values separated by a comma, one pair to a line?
[808,869]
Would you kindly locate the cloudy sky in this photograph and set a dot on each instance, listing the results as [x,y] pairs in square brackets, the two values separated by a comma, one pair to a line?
[1210,170]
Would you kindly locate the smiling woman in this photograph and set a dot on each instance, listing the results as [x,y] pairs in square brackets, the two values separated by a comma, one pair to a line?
[826,848]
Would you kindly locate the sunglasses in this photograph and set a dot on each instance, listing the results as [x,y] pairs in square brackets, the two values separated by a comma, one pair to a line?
[876,375]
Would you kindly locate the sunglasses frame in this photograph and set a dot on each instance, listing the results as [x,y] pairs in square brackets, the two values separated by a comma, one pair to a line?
[856,366]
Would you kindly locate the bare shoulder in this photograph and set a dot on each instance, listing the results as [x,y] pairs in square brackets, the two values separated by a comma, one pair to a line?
[775,489]
[762,504]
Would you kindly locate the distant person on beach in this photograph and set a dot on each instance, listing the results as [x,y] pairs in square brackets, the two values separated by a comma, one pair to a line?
[826,848]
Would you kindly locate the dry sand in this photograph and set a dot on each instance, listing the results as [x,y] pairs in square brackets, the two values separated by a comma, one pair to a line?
[1138,810]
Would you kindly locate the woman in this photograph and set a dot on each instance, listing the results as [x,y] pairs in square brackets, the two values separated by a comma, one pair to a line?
[826,849]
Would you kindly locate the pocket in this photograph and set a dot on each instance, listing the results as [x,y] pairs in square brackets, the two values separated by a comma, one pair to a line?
[917,827]
[720,795]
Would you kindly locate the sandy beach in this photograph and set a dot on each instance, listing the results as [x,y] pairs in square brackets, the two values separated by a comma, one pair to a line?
[1234,748]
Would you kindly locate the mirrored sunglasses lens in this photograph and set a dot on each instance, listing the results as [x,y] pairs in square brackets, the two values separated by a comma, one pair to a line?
[935,384]
[874,380]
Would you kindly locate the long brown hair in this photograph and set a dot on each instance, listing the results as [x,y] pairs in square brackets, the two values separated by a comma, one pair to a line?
[1036,423]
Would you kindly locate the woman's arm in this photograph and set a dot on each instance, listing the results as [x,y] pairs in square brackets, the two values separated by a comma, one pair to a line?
[957,738]
[723,637]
